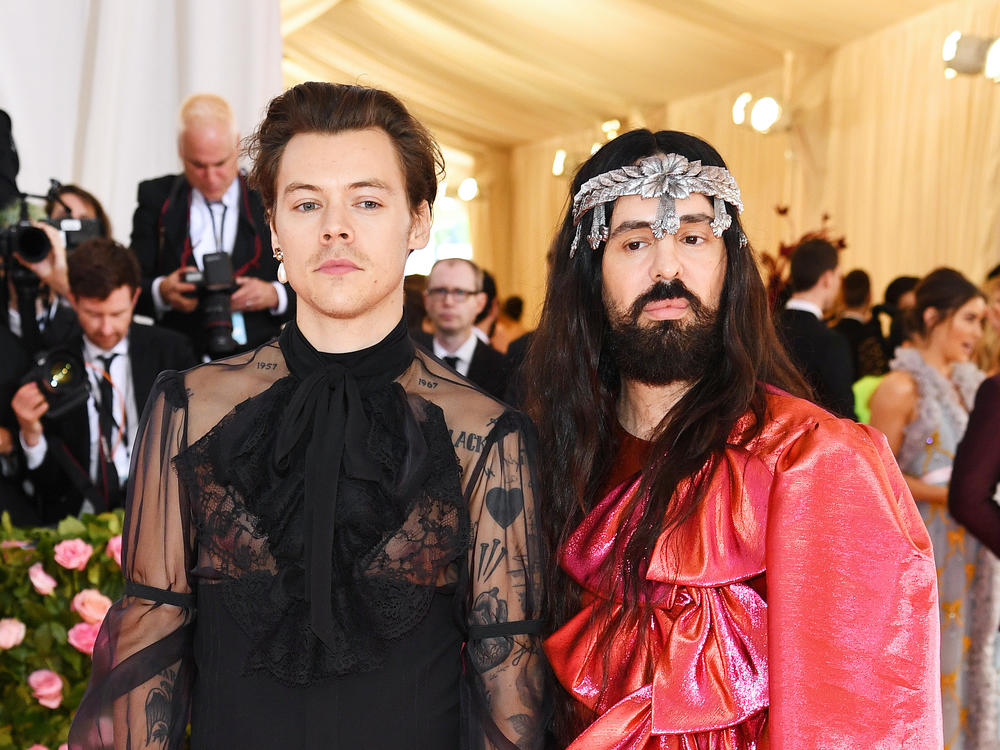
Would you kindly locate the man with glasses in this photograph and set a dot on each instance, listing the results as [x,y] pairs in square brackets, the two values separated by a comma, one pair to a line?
[454,297]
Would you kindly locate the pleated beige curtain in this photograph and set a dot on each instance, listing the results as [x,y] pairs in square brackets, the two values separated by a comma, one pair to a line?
[905,162]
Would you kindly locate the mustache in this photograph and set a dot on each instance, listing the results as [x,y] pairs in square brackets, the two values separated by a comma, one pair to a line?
[661,290]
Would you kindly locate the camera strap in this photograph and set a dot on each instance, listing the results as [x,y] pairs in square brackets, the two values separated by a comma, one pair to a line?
[79,478]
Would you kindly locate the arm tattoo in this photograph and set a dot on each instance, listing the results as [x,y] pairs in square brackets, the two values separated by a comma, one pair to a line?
[158,709]
[487,653]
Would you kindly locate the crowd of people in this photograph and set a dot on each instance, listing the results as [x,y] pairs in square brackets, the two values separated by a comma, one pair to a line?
[690,509]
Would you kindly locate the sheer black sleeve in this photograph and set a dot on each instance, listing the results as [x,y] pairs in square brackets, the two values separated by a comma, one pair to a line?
[504,661]
[140,684]
[976,470]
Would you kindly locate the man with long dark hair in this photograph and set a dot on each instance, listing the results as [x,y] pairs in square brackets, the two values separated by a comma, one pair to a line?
[736,566]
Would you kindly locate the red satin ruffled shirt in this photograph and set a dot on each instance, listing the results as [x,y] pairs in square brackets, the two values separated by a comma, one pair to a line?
[838,650]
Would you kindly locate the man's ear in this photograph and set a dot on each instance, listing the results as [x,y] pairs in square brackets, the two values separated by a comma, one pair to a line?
[420,227]
[274,231]
[481,305]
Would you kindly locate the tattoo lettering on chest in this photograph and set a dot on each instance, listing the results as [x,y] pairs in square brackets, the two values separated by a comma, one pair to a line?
[158,709]
[470,441]
[267,365]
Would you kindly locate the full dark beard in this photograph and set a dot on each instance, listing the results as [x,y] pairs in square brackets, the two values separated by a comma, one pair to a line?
[665,351]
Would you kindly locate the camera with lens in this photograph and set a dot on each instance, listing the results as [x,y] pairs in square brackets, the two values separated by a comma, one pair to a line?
[215,283]
[61,376]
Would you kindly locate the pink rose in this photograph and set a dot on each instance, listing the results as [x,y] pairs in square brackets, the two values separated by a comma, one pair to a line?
[73,554]
[114,549]
[14,544]
[44,583]
[83,636]
[91,605]
[64,746]
[11,632]
[46,686]
[38,747]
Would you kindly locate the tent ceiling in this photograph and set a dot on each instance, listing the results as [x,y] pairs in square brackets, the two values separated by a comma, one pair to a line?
[483,73]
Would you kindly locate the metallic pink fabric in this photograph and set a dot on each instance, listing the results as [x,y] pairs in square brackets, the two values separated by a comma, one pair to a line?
[844,654]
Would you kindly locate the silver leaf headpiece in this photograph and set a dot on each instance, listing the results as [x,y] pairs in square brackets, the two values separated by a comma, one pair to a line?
[665,177]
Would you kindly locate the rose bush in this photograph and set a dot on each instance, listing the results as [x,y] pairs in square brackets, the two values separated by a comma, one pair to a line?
[55,587]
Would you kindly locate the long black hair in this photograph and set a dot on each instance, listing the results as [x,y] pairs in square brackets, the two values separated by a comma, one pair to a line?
[573,383]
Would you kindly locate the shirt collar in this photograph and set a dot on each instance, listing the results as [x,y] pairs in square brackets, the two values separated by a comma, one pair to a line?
[230,198]
[92,351]
[804,305]
[464,352]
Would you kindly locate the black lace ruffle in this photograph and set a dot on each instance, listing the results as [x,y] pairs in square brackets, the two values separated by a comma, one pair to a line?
[392,537]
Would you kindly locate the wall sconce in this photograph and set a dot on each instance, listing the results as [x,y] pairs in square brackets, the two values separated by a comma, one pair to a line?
[468,189]
[765,113]
[971,55]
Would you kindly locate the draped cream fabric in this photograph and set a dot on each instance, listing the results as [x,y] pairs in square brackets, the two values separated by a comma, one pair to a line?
[93,86]
[905,162]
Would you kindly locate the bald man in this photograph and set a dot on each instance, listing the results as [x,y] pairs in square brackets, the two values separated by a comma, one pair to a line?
[206,210]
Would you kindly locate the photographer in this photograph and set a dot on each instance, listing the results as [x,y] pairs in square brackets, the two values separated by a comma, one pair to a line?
[79,460]
[42,274]
[205,211]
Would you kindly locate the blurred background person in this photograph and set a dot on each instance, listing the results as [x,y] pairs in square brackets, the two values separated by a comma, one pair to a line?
[988,351]
[898,298]
[208,211]
[454,298]
[973,492]
[79,459]
[923,406]
[862,331]
[820,353]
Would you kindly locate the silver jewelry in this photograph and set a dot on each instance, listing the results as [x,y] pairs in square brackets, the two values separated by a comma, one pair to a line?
[665,177]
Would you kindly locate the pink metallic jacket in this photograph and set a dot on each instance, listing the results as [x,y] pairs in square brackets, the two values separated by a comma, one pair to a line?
[842,654]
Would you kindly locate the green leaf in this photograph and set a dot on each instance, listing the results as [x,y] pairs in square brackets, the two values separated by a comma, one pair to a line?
[8,527]
[71,527]
[94,574]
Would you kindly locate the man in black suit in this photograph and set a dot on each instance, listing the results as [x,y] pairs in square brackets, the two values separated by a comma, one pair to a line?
[821,353]
[79,460]
[208,209]
[454,297]
[860,327]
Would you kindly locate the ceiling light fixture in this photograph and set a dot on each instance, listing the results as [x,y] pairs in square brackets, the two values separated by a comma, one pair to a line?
[468,189]
[559,162]
[740,107]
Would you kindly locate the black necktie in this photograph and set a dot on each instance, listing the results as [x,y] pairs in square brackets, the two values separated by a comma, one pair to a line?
[106,422]
[452,362]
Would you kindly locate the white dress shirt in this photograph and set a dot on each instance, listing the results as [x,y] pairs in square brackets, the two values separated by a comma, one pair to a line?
[464,353]
[124,408]
[801,304]
[212,229]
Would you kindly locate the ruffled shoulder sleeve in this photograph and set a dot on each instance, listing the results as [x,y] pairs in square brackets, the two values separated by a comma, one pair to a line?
[852,596]
[142,672]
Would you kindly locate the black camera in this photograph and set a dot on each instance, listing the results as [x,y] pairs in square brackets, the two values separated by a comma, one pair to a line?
[215,284]
[61,376]
[32,244]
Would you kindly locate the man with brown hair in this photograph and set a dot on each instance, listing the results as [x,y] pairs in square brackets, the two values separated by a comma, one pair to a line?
[330,541]
[80,459]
